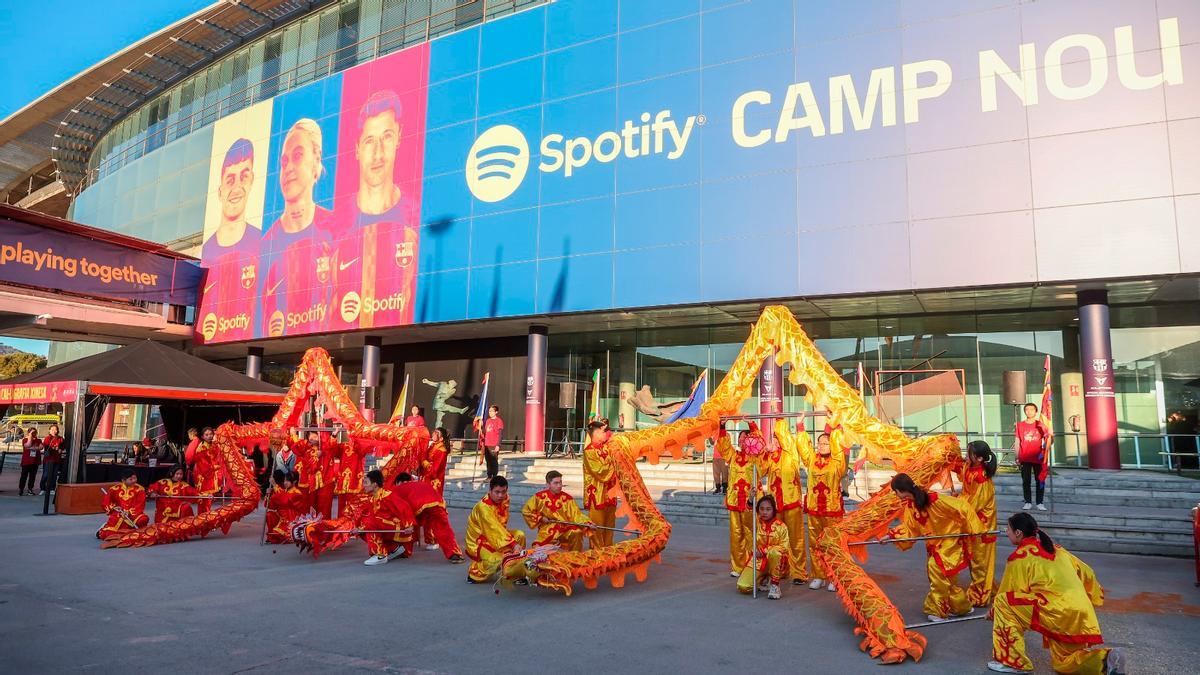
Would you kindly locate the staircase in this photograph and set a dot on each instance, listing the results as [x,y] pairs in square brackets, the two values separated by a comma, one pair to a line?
[1138,512]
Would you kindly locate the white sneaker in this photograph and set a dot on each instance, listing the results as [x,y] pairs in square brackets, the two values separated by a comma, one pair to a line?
[831,587]
[1114,663]
[399,552]
[934,618]
[734,574]
[1001,668]
[1026,508]
[1041,507]
[774,593]
[816,584]
[376,560]
[431,547]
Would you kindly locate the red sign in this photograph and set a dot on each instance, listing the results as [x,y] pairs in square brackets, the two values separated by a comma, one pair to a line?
[42,392]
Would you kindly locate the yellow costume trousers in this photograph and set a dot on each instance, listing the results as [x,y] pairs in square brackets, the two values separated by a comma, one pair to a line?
[946,598]
[606,517]
[1008,643]
[816,527]
[489,562]
[776,566]
[983,572]
[566,538]
[740,524]
[793,519]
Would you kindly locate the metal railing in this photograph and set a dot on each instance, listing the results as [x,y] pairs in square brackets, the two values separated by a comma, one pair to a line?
[348,56]
[1150,451]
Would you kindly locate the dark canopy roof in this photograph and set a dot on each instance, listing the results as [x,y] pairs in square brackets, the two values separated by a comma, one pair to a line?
[150,369]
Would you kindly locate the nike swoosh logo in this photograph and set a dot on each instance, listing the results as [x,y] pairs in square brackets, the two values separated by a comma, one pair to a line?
[210,287]
[271,290]
[343,266]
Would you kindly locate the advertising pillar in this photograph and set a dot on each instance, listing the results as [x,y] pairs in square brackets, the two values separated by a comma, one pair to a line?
[104,431]
[626,413]
[535,390]
[370,376]
[770,396]
[1099,393]
[254,357]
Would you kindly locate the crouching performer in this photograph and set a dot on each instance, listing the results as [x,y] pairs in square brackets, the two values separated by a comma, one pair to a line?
[488,538]
[770,554]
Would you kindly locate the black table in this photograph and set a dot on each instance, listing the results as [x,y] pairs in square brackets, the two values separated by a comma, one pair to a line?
[104,472]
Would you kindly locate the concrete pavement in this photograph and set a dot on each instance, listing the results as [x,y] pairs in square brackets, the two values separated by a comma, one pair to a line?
[227,605]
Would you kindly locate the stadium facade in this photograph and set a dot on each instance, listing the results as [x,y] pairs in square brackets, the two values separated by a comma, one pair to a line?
[941,192]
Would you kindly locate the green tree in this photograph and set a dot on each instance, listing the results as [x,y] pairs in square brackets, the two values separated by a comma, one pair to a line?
[19,363]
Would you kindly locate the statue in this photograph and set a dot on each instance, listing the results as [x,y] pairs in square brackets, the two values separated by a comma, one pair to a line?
[643,401]
[441,396]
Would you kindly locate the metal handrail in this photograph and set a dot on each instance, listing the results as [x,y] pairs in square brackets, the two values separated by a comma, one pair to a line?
[321,66]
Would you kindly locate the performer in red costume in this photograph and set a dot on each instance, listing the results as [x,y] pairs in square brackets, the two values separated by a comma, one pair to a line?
[598,479]
[284,506]
[125,504]
[208,473]
[430,510]
[349,474]
[390,521]
[166,510]
[317,474]
[433,466]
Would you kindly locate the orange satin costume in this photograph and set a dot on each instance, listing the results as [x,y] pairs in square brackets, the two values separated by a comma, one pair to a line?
[1055,594]
[546,505]
[489,539]
[128,498]
[166,510]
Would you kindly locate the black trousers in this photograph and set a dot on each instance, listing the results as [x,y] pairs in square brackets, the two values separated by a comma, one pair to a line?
[1029,472]
[492,457]
[49,476]
[28,475]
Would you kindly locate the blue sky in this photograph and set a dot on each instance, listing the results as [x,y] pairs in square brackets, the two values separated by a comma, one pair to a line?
[32,346]
[46,43]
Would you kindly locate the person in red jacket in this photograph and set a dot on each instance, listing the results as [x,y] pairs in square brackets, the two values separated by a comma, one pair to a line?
[433,466]
[284,506]
[430,510]
[1033,441]
[52,460]
[166,510]
[208,470]
[31,458]
[125,504]
[389,522]
[492,431]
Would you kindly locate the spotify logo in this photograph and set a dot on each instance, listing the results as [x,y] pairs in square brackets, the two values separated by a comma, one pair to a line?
[497,163]
[275,324]
[351,304]
[209,328]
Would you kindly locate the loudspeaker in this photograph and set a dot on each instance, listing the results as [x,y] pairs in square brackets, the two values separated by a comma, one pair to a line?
[1014,390]
[566,395]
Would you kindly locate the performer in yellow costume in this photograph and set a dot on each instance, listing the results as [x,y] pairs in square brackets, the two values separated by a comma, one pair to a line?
[784,482]
[979,492]
[771,554]
[928,513]
[823,499]
[554,504]
[488,536]
[737,501]
[598,479]
[1048,590]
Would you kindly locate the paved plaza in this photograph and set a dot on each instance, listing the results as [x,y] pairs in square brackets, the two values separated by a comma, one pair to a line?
[226,605]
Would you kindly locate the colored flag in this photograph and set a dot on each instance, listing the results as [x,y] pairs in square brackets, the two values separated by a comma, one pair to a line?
[698,397]
[1047,420]
[398,413]
[481,416]
[594,412]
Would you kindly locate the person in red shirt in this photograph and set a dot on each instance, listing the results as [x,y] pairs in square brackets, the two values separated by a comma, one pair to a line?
[389,522]
[189,454]
[1033,441]
[52,460]
[31,457]
[125,504]
[430,510]
[416,417]
[492,431]
[284,506]
[433,466]
[166,510]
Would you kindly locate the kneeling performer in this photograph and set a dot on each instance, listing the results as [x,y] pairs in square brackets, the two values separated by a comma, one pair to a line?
[125,504]
[771,553]
[488,536]
[388,522]
[550,510]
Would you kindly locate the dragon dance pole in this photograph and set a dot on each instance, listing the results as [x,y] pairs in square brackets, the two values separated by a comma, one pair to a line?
[754,537]
[932,536]
[225,499]
[944,621]
[598,527]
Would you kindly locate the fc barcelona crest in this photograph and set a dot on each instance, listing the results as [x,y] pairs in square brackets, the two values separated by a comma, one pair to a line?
[323,269]
[404,253]
[1100,365]
[248,277]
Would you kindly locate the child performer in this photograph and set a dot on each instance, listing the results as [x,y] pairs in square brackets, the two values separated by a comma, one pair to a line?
[928,513]
[598,480]
[771,554]
[166,510]
[977,489]
[1048,590]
